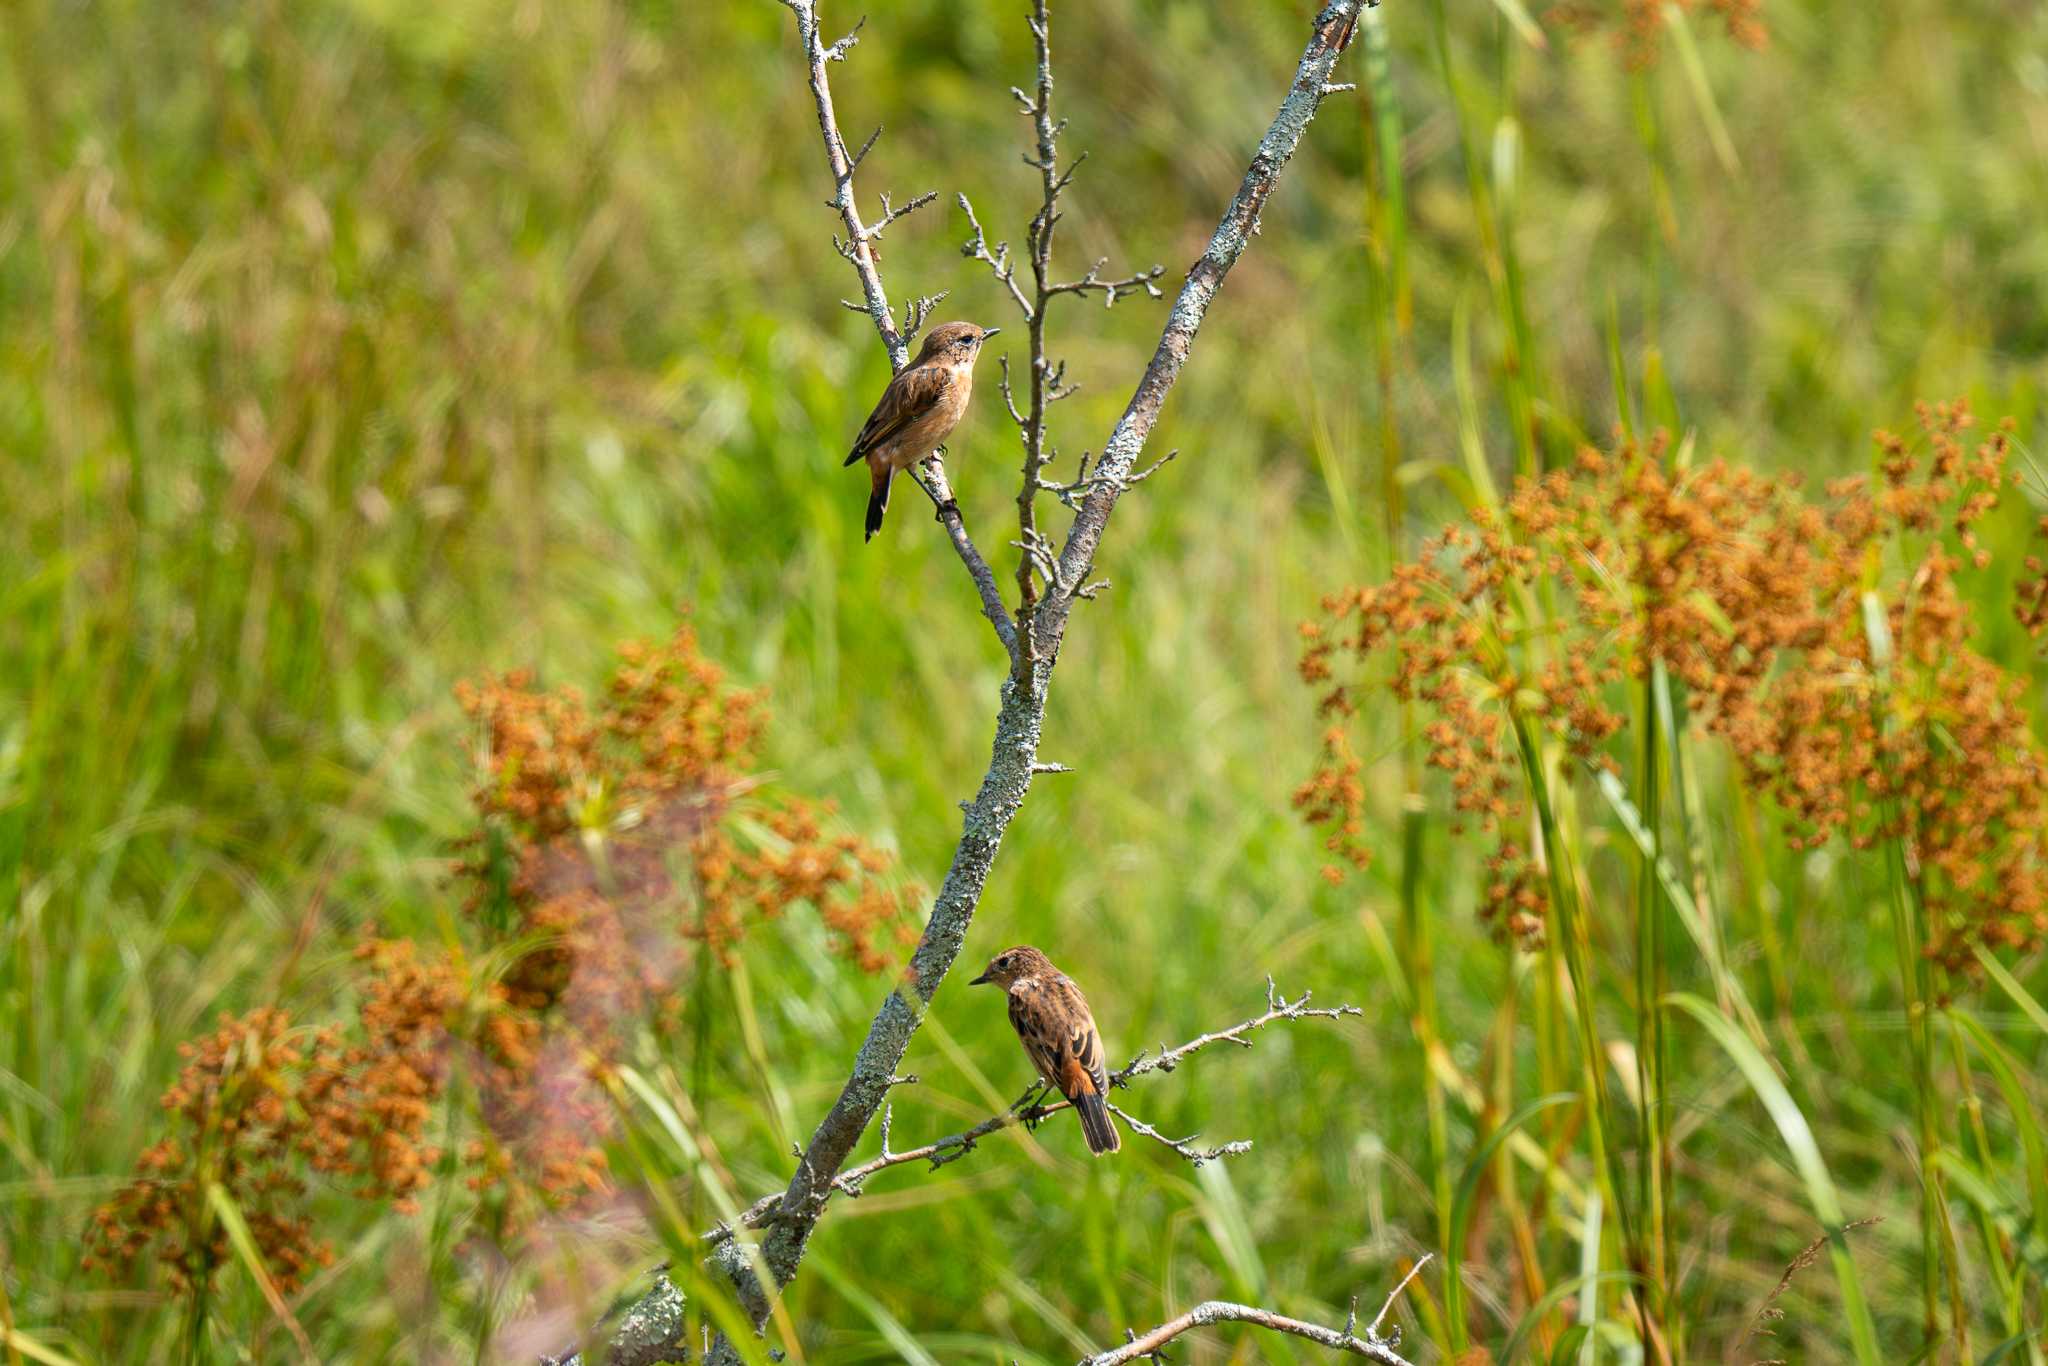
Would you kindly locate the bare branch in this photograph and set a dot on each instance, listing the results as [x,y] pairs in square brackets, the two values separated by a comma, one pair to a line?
[890,215]
[1020,716]
[917,310]
[931,477]
[1371,1346]
[1009,396]
[953,1147]
[1184,1146]
[857,249]
[1333,29]
[837,52]
[1112,290]
[1278,1007]
[975,248]
[1081,483]
[853,162]
[1387,1306]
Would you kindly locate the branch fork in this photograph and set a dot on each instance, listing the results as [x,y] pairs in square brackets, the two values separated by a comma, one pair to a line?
[1031,639]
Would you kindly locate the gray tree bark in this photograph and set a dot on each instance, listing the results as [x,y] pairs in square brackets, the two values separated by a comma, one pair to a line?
[1021,711]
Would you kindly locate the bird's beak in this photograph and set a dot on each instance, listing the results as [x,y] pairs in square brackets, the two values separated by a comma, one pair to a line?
[979,980]
[988,332]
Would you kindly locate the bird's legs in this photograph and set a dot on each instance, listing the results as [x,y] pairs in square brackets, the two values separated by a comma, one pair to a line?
[1028,1105]
[939,509]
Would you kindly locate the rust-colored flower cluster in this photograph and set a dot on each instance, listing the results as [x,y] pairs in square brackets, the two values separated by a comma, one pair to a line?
[1827,643]
[259,1102]
[2030,595]
[236,1123]
[640,813]
[616,837]
[369,1093]
[1890,726]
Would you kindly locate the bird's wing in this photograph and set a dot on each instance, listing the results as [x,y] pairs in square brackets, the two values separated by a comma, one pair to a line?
[909,396]
[1060,1037]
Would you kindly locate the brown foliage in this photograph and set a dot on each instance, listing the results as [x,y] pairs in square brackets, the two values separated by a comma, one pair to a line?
[634,830]
[235,1121]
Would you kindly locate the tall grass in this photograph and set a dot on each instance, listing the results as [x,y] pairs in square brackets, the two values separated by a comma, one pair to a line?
[353,350]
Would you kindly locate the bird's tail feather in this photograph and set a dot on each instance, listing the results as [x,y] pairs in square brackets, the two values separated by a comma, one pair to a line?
[878,500]
[1095,1123]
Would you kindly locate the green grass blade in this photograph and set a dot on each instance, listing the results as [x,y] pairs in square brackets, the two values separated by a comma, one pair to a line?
[2005,1349]
[2030,1241]
[18,1341]
[1589,1266]
[2010,985]
[244,1242]
[2005,1074]
[1556,1295]
[1806,1159]
[1522,22]
[1702,91]
[887,1324]
[1461,1204]
[1680,896]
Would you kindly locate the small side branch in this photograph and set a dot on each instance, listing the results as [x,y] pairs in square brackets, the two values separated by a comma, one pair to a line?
[932,480]
[1278,1007]
[1111,290]
[1371,1346]
[976,248]
[858,249]
[1080,485]
[953,1147]
[1184,1146]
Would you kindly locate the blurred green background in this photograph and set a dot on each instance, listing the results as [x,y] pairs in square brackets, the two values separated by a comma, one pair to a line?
[349,348]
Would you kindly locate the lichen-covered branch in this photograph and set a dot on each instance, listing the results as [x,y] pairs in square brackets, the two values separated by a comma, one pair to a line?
[1045,381]
[1332,30]
[1372,1346]
[953,1147]
[1021,709]
[859,251]
[1212,1312]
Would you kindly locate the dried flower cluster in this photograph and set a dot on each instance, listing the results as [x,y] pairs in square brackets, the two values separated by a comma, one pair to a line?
[1873,722]
[614,838]
[235,1122]
[2030,595]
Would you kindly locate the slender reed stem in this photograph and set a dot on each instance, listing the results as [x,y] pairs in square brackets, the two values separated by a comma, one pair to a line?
[1653,1165]
[1574,941]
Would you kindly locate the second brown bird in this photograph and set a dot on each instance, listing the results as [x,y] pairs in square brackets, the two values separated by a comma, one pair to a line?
[1052,1020]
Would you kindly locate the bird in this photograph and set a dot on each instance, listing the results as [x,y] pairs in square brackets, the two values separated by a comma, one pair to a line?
[1052,1020]
[919,409]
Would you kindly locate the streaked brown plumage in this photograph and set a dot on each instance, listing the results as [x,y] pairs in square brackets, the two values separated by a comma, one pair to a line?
[919,409]
[1052,1020]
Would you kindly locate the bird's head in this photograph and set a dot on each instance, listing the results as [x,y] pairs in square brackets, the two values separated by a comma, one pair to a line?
[955,342]
[1012,964]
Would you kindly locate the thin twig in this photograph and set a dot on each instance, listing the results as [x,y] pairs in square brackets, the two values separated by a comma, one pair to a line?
[1149,1347]
[1278,1007]
[953,1147]
[1021,713]
[858,250]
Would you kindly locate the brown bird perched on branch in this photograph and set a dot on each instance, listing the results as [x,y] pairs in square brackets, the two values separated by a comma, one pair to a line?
[919,409]
[1051,1018]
